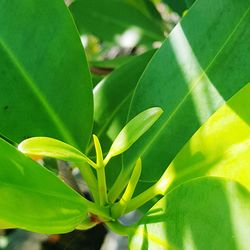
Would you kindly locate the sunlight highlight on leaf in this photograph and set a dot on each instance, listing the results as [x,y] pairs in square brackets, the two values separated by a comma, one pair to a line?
[202,94]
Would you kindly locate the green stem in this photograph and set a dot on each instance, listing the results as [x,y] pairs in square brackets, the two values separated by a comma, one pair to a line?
[102,187]
[90,179]
[159,188]
[107,159]
[101,176]
[120,229]
[90,162]
[119,185]
[141,199]
[119,208]
[102,212]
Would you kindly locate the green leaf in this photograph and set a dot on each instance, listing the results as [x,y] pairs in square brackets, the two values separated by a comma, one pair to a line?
[34,199]
[205,213]
[147,8]
[112,20]
[49,147]
[179,6]
[133,130]
[190,77]
[221,147]
[113,95]
[45,87]
[114,62]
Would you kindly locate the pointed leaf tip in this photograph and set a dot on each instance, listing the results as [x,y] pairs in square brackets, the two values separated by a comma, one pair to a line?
[134,129]
[49,147]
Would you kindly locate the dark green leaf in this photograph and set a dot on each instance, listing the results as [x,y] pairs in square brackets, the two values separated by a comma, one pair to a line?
[179,6]
[112,20]
[45,86]
[113,95]
[190,77]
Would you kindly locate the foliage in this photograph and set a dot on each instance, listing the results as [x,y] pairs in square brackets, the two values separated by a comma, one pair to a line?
[170,126]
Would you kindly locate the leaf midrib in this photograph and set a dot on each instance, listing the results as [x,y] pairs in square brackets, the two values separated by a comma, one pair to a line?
[30,83]
[194,84]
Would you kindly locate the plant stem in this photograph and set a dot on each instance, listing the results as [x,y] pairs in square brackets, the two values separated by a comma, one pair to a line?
[159,188]
[119,185]
[90,179]
[102,212]
[120,229]
[90,162]
[119,208]
[101,176]
[107,159]
[141,199]
[102,188]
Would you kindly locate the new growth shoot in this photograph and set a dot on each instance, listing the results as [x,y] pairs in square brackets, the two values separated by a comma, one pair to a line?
[103,209]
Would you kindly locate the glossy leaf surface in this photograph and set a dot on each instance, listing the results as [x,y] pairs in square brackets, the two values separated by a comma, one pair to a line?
[134,129]
[34,199]
[125,22]
[190,77]
[221,147]
[45,87]
[205,213]
[112,97]
[49,147]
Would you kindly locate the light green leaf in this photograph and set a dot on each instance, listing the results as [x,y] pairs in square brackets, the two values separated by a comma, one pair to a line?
[112,20]
[133,130]
[34,199]
[203,214]
[221,147]
[49,147]
[45,87]
[190,77]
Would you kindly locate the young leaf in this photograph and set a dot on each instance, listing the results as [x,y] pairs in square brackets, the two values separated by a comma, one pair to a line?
[45,87]
[34,199]
[49,147]
[205,213]
[194,72]
[134,130]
